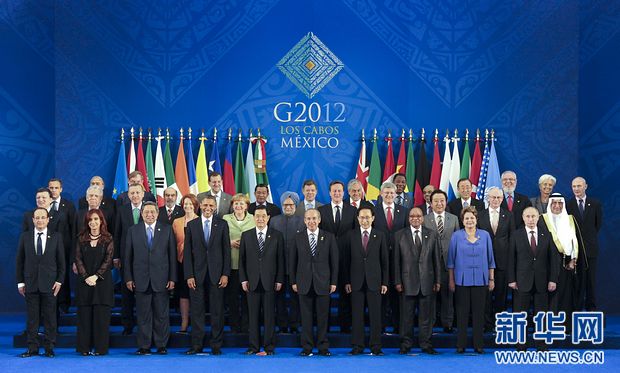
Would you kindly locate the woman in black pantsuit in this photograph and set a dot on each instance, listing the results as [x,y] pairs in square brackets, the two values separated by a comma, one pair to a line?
[95,290]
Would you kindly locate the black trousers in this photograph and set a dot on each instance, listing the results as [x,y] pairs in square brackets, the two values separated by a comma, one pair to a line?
[197,310]
[153,317]
[93,328]
[358,300]
[41,306]
[446,302]
[522,300]
[320,304]
[287,306]
[236,302]
[425,320]
[496,300]
[586,295]
[470,299]
[266,298]
[128,303]
[344,300]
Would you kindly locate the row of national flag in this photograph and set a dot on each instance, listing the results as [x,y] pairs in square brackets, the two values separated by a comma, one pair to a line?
[186,174]
[480,167]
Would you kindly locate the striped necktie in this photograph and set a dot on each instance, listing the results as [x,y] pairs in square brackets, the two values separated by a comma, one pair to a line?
[261,244]
[312,244]
[440,225]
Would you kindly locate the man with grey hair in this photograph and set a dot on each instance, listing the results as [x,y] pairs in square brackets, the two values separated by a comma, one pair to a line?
[513,201]
[289,224]
[356,194]
[94,199]
[499,223]
[589,215]
[389,219]
[107,203]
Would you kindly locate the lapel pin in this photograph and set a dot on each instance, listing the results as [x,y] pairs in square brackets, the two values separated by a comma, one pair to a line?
[269,236]
[374,236]
[159,229]
[322,237]
[425,237]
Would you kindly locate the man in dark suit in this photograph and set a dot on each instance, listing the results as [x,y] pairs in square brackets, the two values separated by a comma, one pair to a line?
[314,276]
[427,208]
[135,177]
[338,219]
[222,199]
[533,266]
[389,219]
[465,200]
[60,203]
[308,189]
[261,272]
[40,271]
[170,210]
[150,268]
[513,201]
[445,224]
[261,192]
[107,203]
[366,276]
[206,264]
[356,195]
[127,215]
[589,215]
[417,270]
[500,224]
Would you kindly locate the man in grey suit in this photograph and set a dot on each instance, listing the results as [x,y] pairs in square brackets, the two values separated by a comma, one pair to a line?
[417,272]
[309,190]
[222,200]
[150,272]
[444,224]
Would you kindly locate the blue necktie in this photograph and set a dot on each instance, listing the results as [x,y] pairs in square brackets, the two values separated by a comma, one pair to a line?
[581,207]
[312,244]
[207,231]
[149,237]
[39,244]
[261,244]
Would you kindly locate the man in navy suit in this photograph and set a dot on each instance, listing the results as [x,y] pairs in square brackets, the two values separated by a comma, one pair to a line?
[40,271]
[261,192]
[390,218]
[588,213]
[206,265]
[150,272]
[314,276]
[261,272]
[135,177]
[170,210]
[465,200]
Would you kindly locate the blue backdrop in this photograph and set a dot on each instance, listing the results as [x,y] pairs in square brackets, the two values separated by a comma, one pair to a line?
[543,74]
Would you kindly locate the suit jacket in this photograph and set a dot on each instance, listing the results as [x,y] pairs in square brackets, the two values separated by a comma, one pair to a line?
[301,207]
[370,266]
[347,222]
[40,272]
[417,270]
[202,257]
[123,199]
[501,238]
[424,208]
[520,202]
[155,266]
[107,203]
[289,226]
[267,268]
[407,200]
[589,224]
[224,206]
[400,220]
[68,209]
[456,206]
[177,212]
[362,202]
[450,225]
[527,269]
[124,220]
[319,271]
[58,223]
[272,209]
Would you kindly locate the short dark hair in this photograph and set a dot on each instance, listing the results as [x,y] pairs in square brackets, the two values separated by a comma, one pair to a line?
[399,174]
[149,203]
[365,207]
[215,173]
[54,179]
[44,190]
[439,191]
[307,183]
[261,186]
[47,213]
[203,196]
[336,182]
[467,209]
[262,207]
[458,183]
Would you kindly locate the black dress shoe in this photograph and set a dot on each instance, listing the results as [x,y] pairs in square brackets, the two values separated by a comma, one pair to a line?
[284,330]
[294,330]
[143,351]
[85,353]
[270,353]
[403,351]
[99,353]
[162,351]
[430,351]
[305,353]
[377,352]
[479,351]
[356,351]
[216,351]
[448,329]
[193,351]
[249,351]
[128,331]
[49,353]
[325,353]
[345,330]
[460,350]
[29,353]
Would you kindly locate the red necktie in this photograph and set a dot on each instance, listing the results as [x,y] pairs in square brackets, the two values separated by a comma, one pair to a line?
[354,204]
[533,243]
[509,203]
[365,241]
[389,218]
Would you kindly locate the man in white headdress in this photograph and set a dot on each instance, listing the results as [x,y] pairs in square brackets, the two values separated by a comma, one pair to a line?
[565,236]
